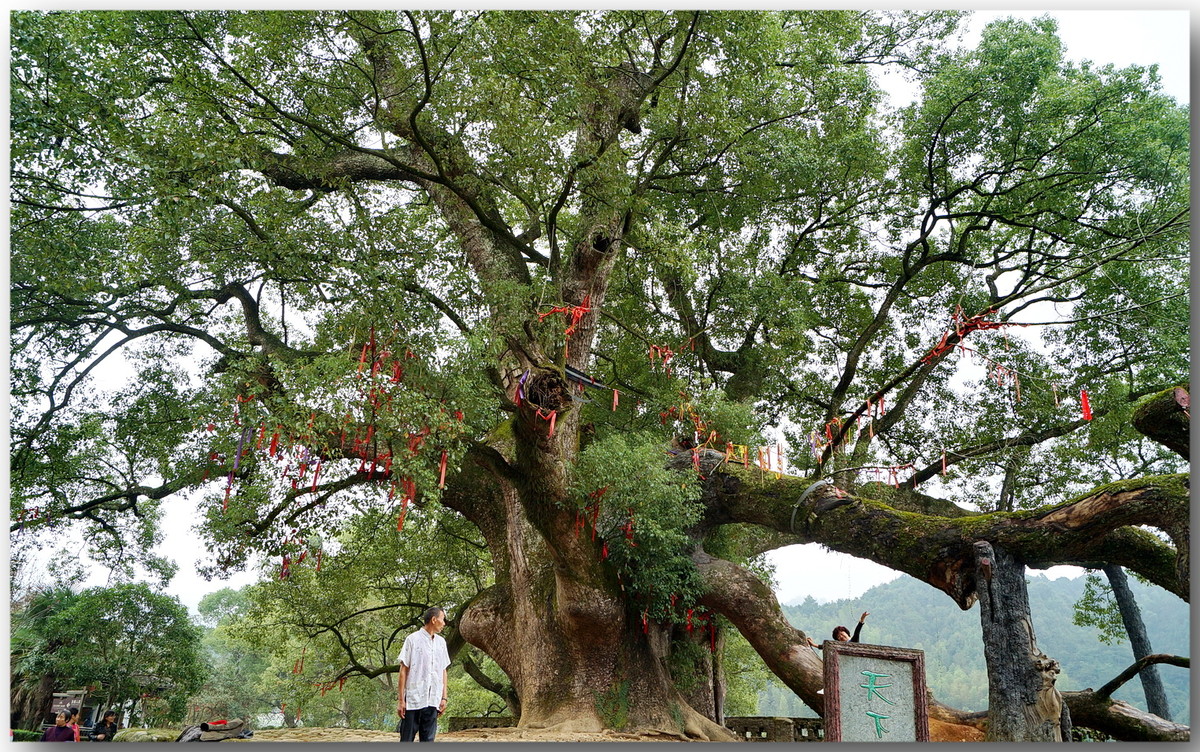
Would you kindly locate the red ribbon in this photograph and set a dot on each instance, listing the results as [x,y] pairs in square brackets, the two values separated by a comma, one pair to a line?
[575,312]
[442,469]
[1087,408]
[551,416]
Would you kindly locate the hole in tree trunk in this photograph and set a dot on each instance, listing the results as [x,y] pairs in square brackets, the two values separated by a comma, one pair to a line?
[547,391]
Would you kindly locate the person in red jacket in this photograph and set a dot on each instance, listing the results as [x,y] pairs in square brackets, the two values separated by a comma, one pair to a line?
[74,722]
[60,731]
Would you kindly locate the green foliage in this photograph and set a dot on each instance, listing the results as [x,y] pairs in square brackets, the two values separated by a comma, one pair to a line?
[222,606]
[236,683]
[21,735]
[288,640]
[1097,608]
[467,697]
[612,705]
[641,511]
[746,677]
[125,639]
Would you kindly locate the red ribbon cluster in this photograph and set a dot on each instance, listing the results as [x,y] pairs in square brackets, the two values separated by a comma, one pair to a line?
[327,686]
[592,509]
[573,312]
[893,472]
[960,328]
[32,515]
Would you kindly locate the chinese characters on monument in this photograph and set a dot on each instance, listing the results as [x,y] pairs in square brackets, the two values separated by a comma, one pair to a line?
[874,693]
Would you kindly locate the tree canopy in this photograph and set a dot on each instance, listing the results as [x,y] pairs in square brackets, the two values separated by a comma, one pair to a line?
[356,263]
[128,642]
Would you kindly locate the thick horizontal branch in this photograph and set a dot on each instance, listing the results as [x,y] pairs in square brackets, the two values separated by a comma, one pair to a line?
[937,549]
[334,172]
[1166,418]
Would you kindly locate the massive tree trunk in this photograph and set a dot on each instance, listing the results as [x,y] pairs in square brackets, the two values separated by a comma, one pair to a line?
[1131,616]
[557,621]
[576,659]
[1023,703]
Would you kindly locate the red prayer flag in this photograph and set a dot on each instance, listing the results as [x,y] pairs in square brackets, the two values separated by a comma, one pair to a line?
[1087,408]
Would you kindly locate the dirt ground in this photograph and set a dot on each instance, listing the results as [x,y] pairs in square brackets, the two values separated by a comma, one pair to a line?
[938,731]
[470,735]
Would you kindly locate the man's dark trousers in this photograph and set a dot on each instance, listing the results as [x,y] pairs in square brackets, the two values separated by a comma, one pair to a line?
[421,722]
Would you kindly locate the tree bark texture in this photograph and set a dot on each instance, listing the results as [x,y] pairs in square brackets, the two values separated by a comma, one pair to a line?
[1165,417]
[556,620]
[1096,527]
[1139,641]
[1023,703]
[1121,720]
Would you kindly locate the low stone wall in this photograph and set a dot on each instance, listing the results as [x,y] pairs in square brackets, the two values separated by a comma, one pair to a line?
[747,728]
[462,723]
[777,729]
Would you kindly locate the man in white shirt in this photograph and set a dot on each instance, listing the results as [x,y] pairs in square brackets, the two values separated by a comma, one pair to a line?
[423,678]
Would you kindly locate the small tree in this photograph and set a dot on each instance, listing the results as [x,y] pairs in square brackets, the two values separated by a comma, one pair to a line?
[126,640]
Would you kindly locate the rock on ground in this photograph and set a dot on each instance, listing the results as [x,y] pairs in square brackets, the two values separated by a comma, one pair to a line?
[146,735]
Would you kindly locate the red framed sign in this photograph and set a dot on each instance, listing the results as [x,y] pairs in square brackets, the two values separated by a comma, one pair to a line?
[874,693]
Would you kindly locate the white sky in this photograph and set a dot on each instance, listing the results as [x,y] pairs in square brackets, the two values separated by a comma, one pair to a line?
[1122,37]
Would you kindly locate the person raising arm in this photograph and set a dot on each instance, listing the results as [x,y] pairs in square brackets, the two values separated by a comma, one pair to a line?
[842,634]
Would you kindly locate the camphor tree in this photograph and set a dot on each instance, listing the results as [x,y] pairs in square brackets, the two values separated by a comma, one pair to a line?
[498,262]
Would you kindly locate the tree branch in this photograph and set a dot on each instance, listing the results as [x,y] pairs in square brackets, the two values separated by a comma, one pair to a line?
[1136,668]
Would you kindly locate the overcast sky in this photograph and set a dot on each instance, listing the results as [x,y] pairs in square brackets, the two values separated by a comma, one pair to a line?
[1103,36]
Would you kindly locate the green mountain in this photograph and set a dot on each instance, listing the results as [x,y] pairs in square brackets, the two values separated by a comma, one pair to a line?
[909,613]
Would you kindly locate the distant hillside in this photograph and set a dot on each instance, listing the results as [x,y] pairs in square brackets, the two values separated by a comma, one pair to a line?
[910,613]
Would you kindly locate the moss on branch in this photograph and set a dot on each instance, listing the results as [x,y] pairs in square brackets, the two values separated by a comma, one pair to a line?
[937,549]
